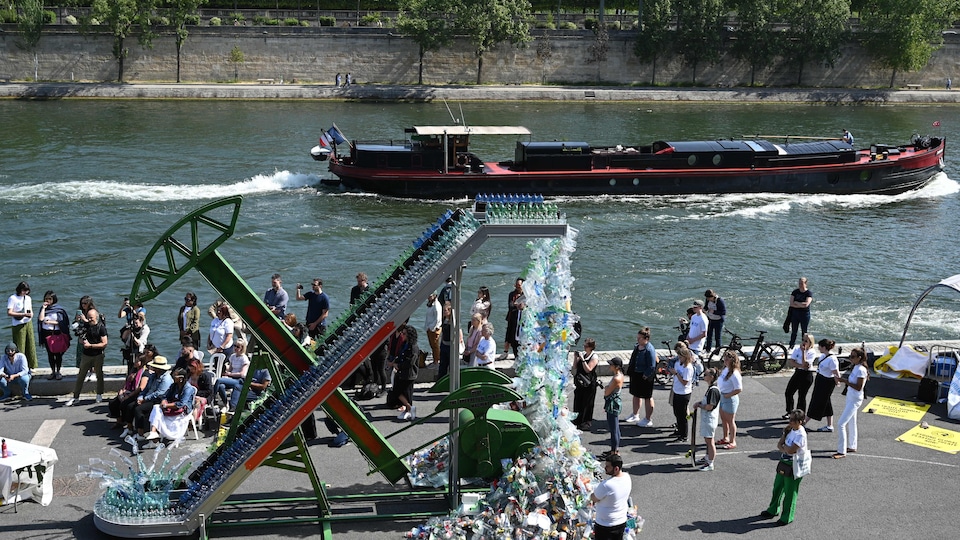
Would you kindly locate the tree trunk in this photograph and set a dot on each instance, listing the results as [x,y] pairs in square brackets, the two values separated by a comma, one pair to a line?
[420,73]
[653,71]
[893,78]
[179,46]
[479,67]
[753,74]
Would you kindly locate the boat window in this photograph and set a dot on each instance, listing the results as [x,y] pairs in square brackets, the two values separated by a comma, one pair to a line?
[692,160]
[716,159]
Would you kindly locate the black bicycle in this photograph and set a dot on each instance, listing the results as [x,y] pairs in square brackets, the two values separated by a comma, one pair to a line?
[766,357]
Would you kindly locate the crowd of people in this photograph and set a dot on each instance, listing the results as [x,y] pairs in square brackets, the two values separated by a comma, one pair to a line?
[721,399]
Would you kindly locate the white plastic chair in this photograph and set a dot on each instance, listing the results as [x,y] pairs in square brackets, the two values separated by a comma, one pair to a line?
[216,364]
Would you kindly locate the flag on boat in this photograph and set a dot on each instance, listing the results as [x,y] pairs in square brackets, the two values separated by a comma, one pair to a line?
[325,139]
[337,135]
[936,123]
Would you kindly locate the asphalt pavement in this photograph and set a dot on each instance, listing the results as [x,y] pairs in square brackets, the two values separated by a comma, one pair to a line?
[888,489]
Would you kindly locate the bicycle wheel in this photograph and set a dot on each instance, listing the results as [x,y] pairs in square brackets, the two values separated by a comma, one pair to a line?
[773,356]
[743,358]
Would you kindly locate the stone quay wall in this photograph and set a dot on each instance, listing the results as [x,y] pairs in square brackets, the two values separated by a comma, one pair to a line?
[310,55]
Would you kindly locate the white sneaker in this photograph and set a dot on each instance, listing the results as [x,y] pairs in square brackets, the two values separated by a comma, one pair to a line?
[645,423]
[124,433]
[632,418]
[153,436]
[402,415]
[413,413]
[407,416]
[70,402]
[99,398]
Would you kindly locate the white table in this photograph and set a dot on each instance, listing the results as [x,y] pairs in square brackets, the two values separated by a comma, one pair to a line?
[20,473]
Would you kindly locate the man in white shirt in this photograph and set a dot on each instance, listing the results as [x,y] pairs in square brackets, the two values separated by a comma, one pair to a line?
[610,500]
[432,326]
[698,328]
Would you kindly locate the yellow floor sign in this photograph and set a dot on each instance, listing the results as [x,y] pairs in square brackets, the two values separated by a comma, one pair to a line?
[934,438]
[896,408]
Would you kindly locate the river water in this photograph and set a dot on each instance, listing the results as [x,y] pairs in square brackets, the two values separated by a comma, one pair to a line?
[87,187]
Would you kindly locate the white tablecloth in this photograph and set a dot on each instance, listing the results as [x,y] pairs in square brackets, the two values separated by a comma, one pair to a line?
[25,457]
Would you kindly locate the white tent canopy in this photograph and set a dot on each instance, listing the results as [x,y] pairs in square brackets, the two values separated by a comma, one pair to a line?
[952,282]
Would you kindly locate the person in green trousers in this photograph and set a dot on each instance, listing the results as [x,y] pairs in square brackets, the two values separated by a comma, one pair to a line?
[792,445]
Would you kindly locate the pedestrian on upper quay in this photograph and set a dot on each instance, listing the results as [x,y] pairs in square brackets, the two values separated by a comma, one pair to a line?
[20,311]
[730,384]
[359,289]
[801,360]
[276,297]
[828,376]
[339,80]
[698,328]
[853,388]
[431,325]
[94,343]
[54,321]
[709,417]
[642,372]
[482,304]
[610,501]
[188,320]
[14,370]
[716,311]
[794,464]
[799,310]
[585,384]
[612,405]
[515,300]
[318,307]
[220,339]
[682,388]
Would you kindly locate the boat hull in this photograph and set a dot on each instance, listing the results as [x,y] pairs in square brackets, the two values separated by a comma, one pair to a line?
[866,175]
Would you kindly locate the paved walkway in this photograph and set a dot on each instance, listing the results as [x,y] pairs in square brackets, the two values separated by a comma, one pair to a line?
[371,92]
[887,490]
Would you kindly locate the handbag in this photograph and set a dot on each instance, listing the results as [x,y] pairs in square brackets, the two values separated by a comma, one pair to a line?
[786,322]
[58,343]
[785,468]
[174,411]
[581,381]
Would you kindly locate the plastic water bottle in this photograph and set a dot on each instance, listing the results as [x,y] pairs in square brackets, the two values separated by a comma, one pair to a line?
[4,449]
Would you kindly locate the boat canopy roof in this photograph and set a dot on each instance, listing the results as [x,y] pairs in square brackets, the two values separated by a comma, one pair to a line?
[470,130]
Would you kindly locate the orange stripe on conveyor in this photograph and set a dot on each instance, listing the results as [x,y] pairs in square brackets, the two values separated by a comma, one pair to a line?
[366,436]
[268,328]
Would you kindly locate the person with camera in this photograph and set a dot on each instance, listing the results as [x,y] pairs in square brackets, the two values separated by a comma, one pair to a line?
[276,297]
[642,371]
[585,384]
[94,343]
[134,337]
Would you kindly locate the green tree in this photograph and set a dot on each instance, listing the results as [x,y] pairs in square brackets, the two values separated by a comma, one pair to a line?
[597,51]
[29,23]
[757,41]
[429,23]
[490,22]
[699,24]
[654,36]
[902,36]
[817,30]
[236,58]
[180,11]
[122,18]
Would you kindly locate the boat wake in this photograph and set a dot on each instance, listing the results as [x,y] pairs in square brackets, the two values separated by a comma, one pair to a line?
[107,190]
[767,205]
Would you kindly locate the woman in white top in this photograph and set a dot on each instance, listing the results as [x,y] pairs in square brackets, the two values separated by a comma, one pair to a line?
[482,304]
[682,388]
[20,310]
[221,332]
[730,384]
[234,372]
[854,383]
[828,375]
[801,360]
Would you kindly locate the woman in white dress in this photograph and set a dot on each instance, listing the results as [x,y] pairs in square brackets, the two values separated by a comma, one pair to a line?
[171,417]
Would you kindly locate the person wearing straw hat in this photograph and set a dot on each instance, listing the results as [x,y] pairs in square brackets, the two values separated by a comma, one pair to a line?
[160,382]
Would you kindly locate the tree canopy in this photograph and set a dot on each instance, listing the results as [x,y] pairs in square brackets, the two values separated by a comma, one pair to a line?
[429,23]
[817,29]
[490,22]
[654,35]
[180,11]
[121,18]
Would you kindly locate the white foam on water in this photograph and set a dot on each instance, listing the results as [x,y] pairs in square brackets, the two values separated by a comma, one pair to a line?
[108,190]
